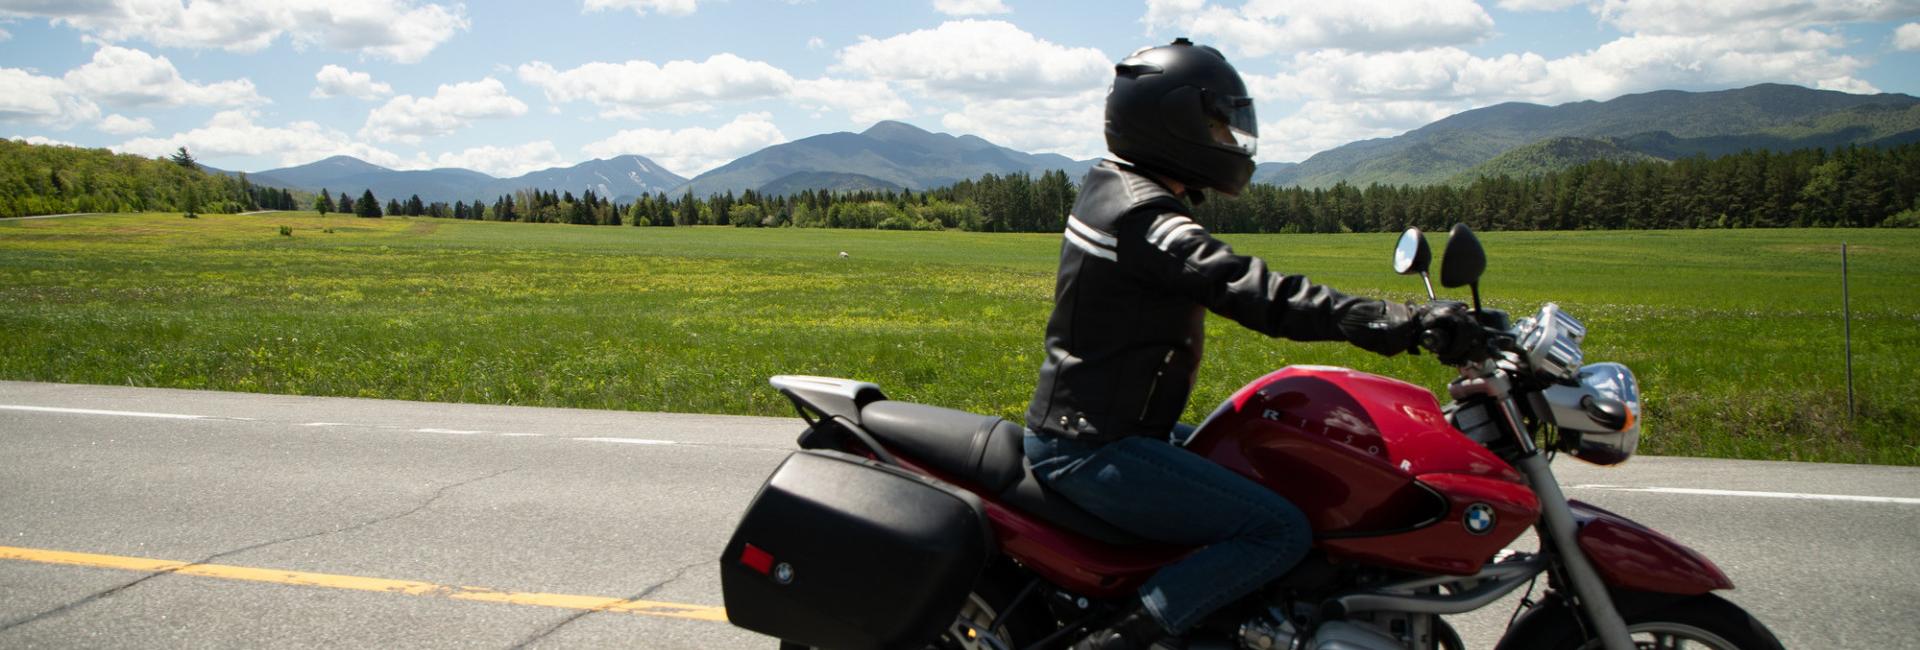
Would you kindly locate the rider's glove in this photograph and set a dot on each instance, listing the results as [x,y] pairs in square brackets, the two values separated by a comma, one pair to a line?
[1386,328]
[1450,330]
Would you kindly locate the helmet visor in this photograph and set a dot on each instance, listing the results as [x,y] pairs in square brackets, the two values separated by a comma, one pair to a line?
[1236,113]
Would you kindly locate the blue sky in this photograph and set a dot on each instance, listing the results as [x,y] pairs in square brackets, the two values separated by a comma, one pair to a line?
[511,87]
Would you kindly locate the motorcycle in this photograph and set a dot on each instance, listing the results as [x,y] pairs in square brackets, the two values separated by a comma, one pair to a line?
[902,525]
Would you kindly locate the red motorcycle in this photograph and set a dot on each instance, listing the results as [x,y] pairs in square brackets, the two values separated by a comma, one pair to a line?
[903,525]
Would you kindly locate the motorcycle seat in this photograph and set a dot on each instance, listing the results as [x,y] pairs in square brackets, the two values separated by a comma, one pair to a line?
[983,451]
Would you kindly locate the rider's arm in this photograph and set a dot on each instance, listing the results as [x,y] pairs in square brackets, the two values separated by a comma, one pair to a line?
[1171,251]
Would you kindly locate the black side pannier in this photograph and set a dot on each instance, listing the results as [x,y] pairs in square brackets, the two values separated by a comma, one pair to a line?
[845,553]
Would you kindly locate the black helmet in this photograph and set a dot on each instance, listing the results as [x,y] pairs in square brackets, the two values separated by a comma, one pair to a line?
[1161,110]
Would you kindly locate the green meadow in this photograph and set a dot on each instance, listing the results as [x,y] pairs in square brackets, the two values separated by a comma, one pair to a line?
[1736,335]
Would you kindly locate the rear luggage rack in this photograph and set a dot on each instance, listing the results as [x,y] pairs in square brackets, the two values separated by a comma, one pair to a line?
[830,406]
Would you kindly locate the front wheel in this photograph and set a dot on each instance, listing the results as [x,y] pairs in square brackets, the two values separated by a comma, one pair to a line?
[1655,621]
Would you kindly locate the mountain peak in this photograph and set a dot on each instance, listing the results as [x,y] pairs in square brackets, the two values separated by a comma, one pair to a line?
[891,131]
[344,160]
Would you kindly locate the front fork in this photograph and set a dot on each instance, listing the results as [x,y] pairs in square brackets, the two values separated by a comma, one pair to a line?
[1557,527]
[1556,518]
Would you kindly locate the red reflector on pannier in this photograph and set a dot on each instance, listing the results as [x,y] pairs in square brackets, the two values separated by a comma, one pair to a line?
[757,559]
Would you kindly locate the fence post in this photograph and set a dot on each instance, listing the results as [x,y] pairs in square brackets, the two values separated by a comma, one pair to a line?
[1846,309]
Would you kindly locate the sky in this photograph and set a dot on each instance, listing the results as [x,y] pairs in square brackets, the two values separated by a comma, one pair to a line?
[507,88]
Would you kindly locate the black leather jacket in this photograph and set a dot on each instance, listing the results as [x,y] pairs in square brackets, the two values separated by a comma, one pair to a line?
[1128,325]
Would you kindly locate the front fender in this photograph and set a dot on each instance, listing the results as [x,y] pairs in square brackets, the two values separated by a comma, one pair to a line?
[1631,556]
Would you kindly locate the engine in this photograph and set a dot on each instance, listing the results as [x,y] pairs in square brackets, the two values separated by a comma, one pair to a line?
[1413,631]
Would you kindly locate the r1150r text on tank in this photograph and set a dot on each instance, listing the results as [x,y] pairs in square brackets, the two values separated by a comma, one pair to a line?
[902,525]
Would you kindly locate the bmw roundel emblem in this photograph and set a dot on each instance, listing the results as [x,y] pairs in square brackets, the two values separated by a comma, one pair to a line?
[1479,518]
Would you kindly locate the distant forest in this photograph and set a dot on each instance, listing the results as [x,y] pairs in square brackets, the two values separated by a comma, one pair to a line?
[1848,187]
[1851,186]
[39,179]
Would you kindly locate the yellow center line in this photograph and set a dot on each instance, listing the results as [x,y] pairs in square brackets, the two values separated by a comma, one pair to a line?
[359,583]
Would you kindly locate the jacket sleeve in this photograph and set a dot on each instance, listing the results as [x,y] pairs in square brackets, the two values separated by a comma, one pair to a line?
[1169,250]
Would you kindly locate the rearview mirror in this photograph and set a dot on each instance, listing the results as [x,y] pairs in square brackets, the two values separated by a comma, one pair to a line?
[1465,259]
[1411,256]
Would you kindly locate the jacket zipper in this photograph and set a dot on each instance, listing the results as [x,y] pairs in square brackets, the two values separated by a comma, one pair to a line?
[1154,386]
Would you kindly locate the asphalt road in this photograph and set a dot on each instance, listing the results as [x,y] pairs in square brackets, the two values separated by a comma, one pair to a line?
[286,521]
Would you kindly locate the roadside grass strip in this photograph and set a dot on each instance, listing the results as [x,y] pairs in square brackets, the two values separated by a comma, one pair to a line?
[360,583]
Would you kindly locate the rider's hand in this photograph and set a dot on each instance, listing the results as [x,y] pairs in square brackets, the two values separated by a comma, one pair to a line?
[1449,329]
[1386,328]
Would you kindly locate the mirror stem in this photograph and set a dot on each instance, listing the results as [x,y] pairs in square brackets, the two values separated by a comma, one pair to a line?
[1429,281]
[1476,296]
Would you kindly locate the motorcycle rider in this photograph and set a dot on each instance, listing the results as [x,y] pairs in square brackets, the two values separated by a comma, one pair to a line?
[1136,277]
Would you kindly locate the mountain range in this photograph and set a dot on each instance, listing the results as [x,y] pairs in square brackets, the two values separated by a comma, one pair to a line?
[1513,138]
[889,155]
[622,178]
[1666,124]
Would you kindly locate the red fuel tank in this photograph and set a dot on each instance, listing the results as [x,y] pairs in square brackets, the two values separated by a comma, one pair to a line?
[1374,465]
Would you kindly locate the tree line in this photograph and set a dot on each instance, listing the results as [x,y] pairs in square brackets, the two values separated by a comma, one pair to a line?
[1847,187]
[1850,186]
[1011,203]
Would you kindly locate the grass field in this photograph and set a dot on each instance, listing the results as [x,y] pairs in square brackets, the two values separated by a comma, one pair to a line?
[1736,335]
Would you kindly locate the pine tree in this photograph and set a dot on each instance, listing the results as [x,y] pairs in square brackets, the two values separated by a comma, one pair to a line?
[367,206]
[324,202]
[184,159]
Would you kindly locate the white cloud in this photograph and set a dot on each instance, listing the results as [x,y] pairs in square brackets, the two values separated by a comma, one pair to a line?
[1641,62]
[633,89]
[625,88]
[865,102]
[503,162]
[1352,96]
[1170,12]
[688,152]
[128,77]
[1907,37]
[816,43]
[662,7]
[42,140]
[118,124]
[401,30]
[1262,27]
[946,60]
[233,133]
[1627,65]
[42,100]
[1537,5]
[5,36]
[408,119]
[1070,125]
[1692,17]
[970,7]
[1320,125]
[335,81]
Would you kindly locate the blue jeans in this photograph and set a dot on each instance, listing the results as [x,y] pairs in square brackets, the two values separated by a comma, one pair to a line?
[1160,492]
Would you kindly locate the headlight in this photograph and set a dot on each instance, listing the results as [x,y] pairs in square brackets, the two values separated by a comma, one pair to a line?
[1583,412]
[1551,339]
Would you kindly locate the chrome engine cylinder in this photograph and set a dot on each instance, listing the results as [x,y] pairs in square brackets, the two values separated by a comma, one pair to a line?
[1266,634]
